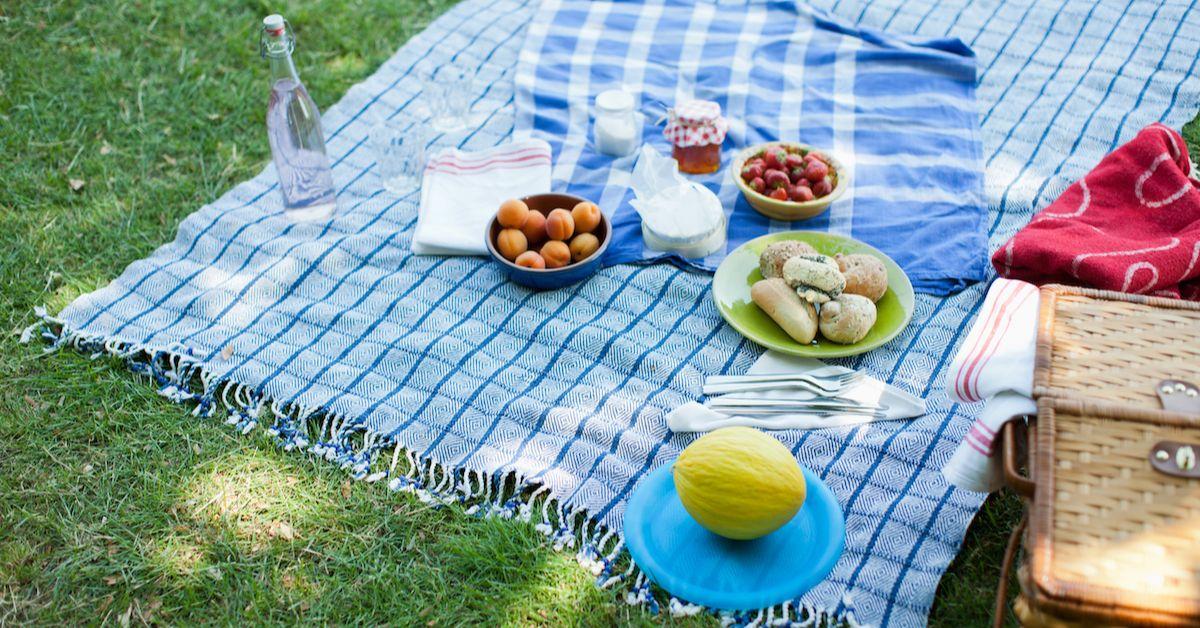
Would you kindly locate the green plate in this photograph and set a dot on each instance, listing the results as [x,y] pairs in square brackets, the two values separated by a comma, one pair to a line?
[739,271]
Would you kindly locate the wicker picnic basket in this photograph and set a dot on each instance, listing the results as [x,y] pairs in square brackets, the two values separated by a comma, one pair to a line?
[1113,533]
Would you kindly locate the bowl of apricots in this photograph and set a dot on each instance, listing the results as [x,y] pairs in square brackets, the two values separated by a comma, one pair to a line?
[548,241]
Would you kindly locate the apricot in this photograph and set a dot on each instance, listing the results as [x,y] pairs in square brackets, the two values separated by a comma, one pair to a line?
[531,259]
[560,225]
[511,243]
[556,253]
[512,213]
[534,227]
[583,245]
[586,216]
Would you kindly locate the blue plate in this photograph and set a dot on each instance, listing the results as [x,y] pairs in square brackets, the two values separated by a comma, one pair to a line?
[700,567]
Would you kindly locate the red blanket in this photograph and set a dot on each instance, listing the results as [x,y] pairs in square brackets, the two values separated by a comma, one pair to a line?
[1132,224]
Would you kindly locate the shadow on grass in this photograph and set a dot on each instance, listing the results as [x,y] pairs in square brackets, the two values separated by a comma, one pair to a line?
[120,506]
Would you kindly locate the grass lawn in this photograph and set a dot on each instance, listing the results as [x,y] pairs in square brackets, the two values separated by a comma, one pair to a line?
[115,504]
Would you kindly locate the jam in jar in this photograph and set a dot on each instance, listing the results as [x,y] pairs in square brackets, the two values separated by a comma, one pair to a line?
[696,130]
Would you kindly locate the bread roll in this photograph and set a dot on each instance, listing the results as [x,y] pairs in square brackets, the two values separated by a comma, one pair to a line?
[847,319]
[771,262]
[796,316]
[865,275]
[816,278]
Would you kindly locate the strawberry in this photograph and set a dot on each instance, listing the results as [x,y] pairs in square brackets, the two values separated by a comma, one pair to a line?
[822,188]
[794,161]
[751,172]
[797,175]
[801,193]
[776,158]
[776,178]
[758,185]
[779,194]
[816,171]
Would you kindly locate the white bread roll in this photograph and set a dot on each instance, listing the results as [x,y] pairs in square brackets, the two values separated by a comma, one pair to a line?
[797,317]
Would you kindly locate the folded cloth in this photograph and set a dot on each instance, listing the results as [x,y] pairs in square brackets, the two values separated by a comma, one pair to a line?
[975,465]
[1132,225]
[898,111]
[696,417]
[461,191]
[994,364]
[998,352]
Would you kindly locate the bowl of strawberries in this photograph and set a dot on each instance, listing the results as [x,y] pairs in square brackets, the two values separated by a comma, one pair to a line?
[789,181]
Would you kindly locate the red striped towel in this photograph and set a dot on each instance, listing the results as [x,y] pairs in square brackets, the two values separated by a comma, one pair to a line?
[993,364]
[1132,225]
[461,191]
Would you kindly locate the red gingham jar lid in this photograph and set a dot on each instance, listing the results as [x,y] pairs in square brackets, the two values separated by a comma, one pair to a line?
[695,123]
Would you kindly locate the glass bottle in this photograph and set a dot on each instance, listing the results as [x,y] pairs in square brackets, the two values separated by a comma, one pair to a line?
[294,130]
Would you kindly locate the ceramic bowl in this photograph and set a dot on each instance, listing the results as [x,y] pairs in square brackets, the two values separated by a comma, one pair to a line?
[551,278]
[789,210]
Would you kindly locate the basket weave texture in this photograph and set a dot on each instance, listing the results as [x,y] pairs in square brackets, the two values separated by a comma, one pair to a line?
[1110,538]
[1095,347]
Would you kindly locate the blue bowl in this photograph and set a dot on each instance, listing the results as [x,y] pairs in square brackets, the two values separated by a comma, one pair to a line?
[551,278]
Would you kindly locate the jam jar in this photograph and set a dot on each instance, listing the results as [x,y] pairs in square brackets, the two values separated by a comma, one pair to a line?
[696,130]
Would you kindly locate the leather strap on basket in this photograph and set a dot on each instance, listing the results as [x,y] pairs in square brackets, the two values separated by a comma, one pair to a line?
[1179,396]
[1000,611]
[1175,459]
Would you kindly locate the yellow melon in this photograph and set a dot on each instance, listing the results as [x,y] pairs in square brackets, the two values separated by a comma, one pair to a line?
[739,482]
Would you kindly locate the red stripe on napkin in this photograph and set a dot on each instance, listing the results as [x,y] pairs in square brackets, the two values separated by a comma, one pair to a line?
[471,160]
[1003,324]
[494,164]
[960,378]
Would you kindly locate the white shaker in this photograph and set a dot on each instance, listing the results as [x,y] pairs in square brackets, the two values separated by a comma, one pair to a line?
[618,128]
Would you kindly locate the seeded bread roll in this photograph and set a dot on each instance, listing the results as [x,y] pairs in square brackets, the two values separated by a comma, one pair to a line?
[847,319]
[771,262]
[865,275]
[797,317]
[816,278]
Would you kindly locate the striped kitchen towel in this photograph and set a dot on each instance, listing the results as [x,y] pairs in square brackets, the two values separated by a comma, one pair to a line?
[898,111]
[461,191]
[994,364]
[435,375]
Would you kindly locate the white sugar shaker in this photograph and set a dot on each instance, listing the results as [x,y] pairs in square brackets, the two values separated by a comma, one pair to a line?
[618,128]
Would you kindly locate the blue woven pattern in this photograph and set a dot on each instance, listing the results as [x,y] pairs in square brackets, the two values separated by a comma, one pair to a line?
[899,112]
[570,387]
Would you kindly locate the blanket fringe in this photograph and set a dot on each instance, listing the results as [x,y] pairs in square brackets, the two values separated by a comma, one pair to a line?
[372,457]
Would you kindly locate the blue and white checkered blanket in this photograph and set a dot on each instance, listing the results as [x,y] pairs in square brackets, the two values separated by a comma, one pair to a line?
[360,346]
[898,111]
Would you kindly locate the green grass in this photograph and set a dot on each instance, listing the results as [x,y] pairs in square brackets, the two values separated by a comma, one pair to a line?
[116,505]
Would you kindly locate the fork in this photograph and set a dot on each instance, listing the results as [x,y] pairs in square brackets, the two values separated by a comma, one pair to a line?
[828,383]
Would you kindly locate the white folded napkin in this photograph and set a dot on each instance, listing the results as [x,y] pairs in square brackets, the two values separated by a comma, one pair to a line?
[995,365]
[998,352]
[696,417]
[461,191]
[975,465]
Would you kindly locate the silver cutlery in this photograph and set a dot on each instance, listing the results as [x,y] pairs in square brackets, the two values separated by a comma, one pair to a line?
[784,406]
[829,383]
[766,413]
[721,389]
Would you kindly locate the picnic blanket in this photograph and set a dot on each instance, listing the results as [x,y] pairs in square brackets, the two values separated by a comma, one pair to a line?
[436,375]
[899,111]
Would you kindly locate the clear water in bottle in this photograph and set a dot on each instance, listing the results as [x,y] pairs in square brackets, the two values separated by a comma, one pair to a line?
[294,131]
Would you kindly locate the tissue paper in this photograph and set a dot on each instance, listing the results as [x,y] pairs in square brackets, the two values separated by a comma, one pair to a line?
[678,215]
